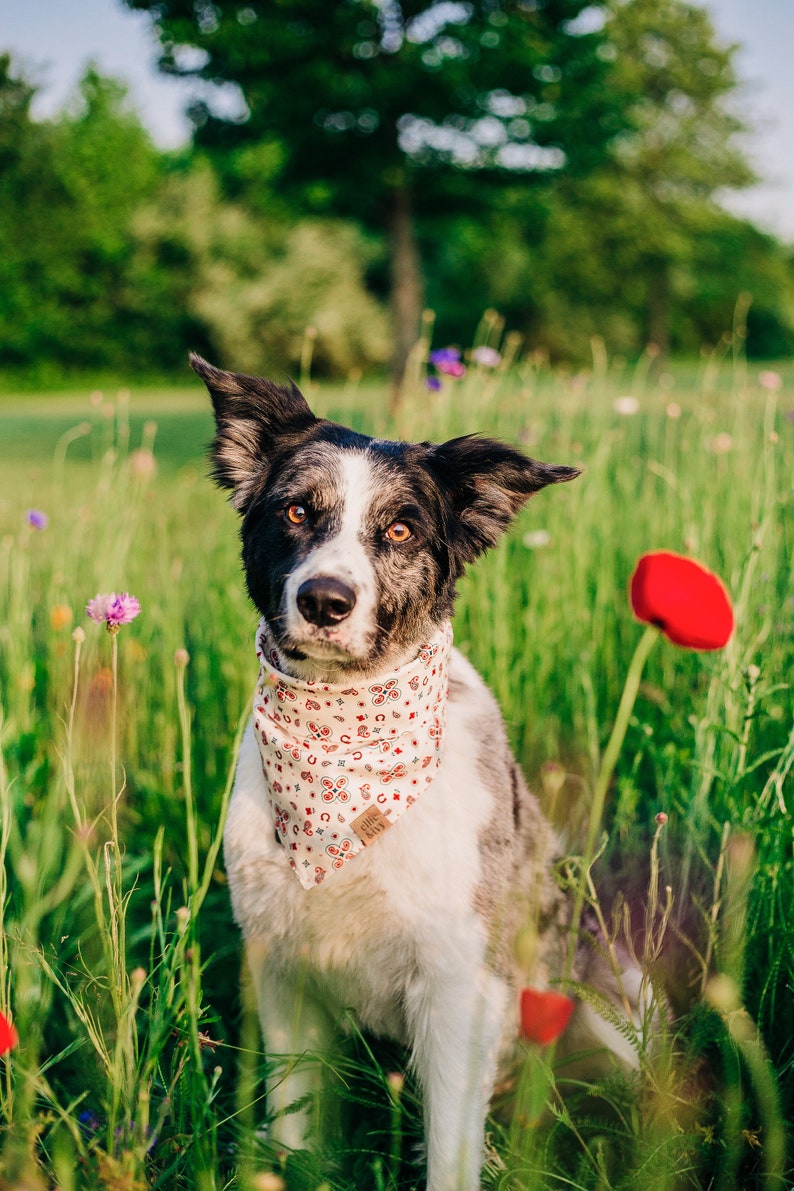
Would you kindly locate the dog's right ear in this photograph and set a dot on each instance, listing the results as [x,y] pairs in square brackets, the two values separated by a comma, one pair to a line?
[251,413]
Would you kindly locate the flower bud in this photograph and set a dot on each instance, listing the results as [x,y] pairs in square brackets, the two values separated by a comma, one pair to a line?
[525,948]
[722,994]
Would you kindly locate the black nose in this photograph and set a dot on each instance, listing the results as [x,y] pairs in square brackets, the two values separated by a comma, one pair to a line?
[323,601]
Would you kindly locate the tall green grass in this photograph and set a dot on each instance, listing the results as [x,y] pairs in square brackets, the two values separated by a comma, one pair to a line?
[139,1063]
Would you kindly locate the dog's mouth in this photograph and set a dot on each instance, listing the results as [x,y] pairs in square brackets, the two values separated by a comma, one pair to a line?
[329,645]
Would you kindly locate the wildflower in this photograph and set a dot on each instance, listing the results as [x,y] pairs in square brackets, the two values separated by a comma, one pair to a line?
[138,978]
[682,598]
[60,616]
[770,380]
[142,463]
[36,519]
[486,357]
[113,610]
[661,818]
[536,539]
[722,443]
[268,1181]
[8,1035]
[626,406]
[433,384]
[544,1015]
[181,658]
[447,361]
[552,776]
[89,1123]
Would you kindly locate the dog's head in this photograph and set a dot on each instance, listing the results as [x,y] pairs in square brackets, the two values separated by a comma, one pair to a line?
[352,545]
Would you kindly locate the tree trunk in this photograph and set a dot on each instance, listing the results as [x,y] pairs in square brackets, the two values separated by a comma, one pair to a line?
[659,305]
[407,289]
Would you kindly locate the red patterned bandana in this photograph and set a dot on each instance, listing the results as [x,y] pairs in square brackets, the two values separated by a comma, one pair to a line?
[342,764]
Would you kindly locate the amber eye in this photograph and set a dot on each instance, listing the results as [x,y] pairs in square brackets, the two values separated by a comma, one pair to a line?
[398,532]
[296,514]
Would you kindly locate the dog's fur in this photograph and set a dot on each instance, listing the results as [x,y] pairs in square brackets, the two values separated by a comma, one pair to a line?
[415,936]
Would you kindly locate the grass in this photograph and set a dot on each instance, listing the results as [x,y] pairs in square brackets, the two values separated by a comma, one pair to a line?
[139,1063]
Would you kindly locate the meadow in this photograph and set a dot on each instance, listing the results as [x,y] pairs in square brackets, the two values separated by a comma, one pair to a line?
[139,1063]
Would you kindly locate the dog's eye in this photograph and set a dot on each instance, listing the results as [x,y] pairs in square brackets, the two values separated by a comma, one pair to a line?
[297,514]
[398,532]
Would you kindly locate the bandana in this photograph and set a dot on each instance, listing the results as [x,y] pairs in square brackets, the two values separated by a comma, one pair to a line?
[341,764]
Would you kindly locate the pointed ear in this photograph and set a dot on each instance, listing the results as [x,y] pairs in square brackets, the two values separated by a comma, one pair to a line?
[487,482]
[250,415]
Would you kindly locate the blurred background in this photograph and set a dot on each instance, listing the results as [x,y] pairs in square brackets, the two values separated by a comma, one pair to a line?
[181,174]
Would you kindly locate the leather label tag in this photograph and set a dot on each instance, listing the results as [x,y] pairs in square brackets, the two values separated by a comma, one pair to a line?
[370,824]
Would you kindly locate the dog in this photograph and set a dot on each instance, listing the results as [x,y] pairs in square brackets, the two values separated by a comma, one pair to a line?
[382,848]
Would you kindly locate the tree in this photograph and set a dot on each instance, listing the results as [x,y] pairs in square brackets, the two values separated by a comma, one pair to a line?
[69,189]
[638,250]
[682,148]
[250,283]
[383,110]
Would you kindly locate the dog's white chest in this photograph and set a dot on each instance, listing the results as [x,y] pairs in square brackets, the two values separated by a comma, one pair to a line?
[375,926]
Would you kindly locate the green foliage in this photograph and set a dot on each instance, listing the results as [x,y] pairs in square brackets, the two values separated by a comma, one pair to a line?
[140,1061]
[67,196]
[354,100]
[387,113]
[251,284]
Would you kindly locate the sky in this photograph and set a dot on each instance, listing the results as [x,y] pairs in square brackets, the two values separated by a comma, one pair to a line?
[54,39]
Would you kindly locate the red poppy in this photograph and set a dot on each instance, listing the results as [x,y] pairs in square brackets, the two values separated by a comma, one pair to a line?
[544,1015]
[8,1035]
[682,598]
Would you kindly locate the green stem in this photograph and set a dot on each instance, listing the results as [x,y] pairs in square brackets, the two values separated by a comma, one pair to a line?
[114,664]
[606,772]
[187,779]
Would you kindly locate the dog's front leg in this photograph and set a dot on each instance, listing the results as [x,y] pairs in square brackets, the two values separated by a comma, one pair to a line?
[297,1030]
[457,1020]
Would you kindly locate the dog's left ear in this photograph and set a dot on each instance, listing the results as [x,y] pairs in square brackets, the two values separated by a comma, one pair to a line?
[251,414]
[486,483]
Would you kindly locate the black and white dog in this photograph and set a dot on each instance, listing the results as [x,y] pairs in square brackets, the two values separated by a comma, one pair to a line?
[381,845]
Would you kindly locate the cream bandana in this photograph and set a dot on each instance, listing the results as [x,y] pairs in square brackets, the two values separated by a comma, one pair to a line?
[341,764]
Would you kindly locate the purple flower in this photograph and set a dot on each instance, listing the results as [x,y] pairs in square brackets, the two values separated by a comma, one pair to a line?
[36,519]
[433,384]
[113,610]
[447,360]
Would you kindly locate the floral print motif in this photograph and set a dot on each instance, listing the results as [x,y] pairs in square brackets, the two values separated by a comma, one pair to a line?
[335,789]
[389,690]
[331,755]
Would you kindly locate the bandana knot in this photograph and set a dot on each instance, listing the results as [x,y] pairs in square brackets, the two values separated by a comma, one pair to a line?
[341,764]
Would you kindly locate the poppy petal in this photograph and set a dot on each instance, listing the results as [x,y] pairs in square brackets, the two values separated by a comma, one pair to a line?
[683,598]
[8,1035]
[544,1015]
